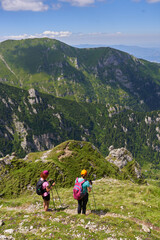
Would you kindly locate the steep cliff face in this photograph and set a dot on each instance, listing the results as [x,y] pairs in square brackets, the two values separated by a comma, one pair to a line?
[31,121]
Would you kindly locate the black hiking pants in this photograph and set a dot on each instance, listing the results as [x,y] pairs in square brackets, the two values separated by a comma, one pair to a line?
[82,204]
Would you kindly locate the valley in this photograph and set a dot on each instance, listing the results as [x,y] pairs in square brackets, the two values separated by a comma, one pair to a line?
[65,109]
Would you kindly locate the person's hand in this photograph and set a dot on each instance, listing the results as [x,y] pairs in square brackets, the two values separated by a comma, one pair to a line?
[90,181]
[53,184]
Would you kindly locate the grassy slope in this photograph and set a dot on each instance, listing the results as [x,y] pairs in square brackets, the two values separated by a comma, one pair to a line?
[122,208]
[64,163]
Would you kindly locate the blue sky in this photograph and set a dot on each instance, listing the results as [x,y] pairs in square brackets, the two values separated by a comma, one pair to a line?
[106,22]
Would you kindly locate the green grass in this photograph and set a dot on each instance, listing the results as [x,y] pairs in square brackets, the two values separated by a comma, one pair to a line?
[120,210]
[82,155]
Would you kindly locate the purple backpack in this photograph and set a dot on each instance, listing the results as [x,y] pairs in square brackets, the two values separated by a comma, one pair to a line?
[78,190]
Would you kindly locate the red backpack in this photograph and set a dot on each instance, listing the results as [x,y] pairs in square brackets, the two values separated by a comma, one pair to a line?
[78,190]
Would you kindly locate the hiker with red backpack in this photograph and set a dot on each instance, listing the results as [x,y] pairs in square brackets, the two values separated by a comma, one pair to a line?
[43,189]
[80,191]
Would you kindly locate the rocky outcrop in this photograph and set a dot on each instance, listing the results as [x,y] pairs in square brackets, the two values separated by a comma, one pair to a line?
[120,157]
[5,163]
[34,96]
[124,160]
[7,159]
[44,141]
[21,130]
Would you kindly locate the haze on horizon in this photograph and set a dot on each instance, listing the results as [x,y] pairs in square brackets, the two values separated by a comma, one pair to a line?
[75,22]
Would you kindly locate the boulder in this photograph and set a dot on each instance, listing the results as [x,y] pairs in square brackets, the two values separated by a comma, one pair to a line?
[124,160]
[120,157]
[1,222]
[146,229]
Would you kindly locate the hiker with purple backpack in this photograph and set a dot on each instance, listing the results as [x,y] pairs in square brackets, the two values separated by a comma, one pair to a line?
[43,189]
[80,191]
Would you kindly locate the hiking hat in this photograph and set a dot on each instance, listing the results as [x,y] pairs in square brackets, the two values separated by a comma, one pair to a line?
[45,172]
[83,172]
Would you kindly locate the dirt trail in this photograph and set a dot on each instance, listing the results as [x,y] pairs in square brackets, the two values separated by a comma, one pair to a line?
[67,153]
[1,57]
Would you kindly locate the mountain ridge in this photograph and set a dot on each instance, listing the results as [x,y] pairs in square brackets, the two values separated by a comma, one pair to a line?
[64,163]
[100,75]
[151,54]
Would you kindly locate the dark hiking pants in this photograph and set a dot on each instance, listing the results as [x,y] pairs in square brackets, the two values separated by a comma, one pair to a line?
[82,204]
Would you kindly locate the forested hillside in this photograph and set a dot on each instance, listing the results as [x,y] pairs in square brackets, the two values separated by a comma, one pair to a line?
[33,121]
[98,75]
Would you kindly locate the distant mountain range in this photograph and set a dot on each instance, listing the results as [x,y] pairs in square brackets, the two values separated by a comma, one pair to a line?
[150,54]
[96,75]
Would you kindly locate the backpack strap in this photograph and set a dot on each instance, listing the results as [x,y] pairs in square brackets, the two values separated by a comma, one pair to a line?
[44,190]
[83,181]
[80,182]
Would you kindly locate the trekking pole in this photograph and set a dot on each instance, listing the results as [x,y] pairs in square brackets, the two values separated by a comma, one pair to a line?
[53,200]
[94,198]
[89,205]
[58,195]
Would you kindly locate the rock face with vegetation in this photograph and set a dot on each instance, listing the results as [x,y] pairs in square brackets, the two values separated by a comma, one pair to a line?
[124,160]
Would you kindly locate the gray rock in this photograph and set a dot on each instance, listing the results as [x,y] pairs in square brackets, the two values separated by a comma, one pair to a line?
[111,148]
[148,120]
[3,237]
[1,222]
[34,96]
[137,170]
[121,157]
[10,231]
[146,229]
[111,238]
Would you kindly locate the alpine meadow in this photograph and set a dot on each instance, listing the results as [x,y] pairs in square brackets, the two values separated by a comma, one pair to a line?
[65,109]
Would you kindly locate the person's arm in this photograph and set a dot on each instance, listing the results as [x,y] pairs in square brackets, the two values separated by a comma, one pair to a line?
[89,188]
[49,188]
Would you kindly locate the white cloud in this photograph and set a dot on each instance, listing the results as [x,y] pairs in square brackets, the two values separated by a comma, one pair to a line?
[149,1]
[52,34]
[24,5]
[153,1]
[56,6]
[79,3]
[118,38]
[38,5]
[47,34]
